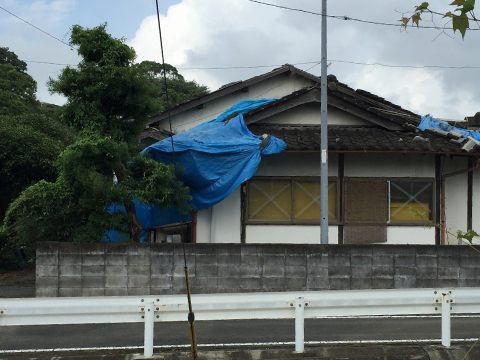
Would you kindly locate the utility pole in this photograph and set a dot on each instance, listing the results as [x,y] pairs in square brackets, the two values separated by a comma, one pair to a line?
[324,134]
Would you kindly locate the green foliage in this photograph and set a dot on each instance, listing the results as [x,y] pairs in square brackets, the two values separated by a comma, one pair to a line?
[17,91]
[109,99]
[9,57]
[29,147]
[460,21]
[8,260]
[179,89]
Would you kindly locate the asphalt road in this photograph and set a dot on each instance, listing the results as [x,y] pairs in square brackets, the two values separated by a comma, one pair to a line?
[229,332]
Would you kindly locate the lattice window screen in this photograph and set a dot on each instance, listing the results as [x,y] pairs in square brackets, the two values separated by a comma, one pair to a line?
[366,211]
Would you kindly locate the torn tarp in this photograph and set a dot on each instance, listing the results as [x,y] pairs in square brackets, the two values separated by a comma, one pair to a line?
[216,157]
[430,122]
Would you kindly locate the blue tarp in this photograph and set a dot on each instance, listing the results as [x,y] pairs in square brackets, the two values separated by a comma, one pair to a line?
[217,156]
[430,122]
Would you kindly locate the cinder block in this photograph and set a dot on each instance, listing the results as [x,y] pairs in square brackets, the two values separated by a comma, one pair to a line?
[334,260]
[225,284]
[46,270]
[251,271]
[228,249]
[93,270]
[317,271]
[230,260]
[381,283]
[93,291]
[206,270]
[70,282]
[426,250]
[179,270]
[138,260]
[273,284]
[273,271]
[383,260]
[161,249]
[469,282]
[426,272]
[179,260]
[139,270]
[361,283]
[362,272]
[251,250]
[138,281]
[296,284]
[162,291]
[317,260]
[141,249]
[70,259]
[251,284]
[116,281]
[426,261]
[448,283]
[404,282]
[318,283]
[46,292]
[405,271]
[46,282]
[70,292]
[205,249]
[448,261]
[159,270]
[273,260]
[248,260]
[361,260]
[296,271]
[205,259]
[116,260]
[93,282]
[228,271]
[270,250]
[162,282]
[469,261]
[361,250]
[404,250]
[448,273]
[342,251]
[93,260]
[383,271]
[116,249]
[340,284]
[469,273]
[116,270]
[447,251]
[426,283]
[116,291]
[296,260]
[46,259]
[161,260]
[401,260]
[138,291]
[70,270]
[339,271]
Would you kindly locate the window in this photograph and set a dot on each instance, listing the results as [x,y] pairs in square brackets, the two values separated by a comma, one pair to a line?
[410,201]
[289,200]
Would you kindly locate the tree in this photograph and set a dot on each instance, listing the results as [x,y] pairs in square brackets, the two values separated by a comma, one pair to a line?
[17,91]
[109,100]
[9,57]
[460,16]
[179,89]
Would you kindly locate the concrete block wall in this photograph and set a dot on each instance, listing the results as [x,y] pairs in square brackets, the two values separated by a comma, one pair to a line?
[107,269]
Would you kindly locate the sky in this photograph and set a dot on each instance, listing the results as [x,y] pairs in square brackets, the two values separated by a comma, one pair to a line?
[427,71]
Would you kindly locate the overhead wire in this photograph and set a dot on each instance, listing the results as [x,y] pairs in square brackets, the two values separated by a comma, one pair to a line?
[191,315]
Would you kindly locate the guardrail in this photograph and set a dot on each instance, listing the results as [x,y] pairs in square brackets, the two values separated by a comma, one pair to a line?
[284,305]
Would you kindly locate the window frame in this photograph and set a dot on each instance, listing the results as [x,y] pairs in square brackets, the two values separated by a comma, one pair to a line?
[292,220]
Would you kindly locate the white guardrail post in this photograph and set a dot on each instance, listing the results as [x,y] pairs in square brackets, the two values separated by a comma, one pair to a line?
[446,327]
[299,324]
[149,314]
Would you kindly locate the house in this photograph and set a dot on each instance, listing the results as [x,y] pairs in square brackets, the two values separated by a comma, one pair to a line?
[389,182]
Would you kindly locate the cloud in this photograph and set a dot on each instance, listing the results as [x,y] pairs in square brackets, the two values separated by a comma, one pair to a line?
[211,33]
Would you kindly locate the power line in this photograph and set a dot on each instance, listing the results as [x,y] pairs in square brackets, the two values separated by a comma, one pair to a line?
[47,63]
[43,31]
[344,17]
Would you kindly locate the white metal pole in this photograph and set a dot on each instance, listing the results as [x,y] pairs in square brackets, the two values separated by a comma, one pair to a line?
[446,303]
[149,321]
[324,134]
[299,324]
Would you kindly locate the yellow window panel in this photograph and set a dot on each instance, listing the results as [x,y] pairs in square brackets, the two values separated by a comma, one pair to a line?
[307,200]
[270,200]
[409,212]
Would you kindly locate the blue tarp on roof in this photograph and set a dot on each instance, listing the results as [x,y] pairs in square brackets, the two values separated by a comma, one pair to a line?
[217,156]
[430,122]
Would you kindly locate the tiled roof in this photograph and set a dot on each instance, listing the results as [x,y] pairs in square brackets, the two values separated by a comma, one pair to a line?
[359,139]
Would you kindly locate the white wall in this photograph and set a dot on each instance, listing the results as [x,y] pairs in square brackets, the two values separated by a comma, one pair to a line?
[296,164]
[389,165]
[286,234]
[476,201]
[221,223]
[455,198]
[411,235]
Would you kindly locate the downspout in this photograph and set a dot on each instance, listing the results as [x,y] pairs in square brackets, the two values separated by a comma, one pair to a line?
[443,217]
